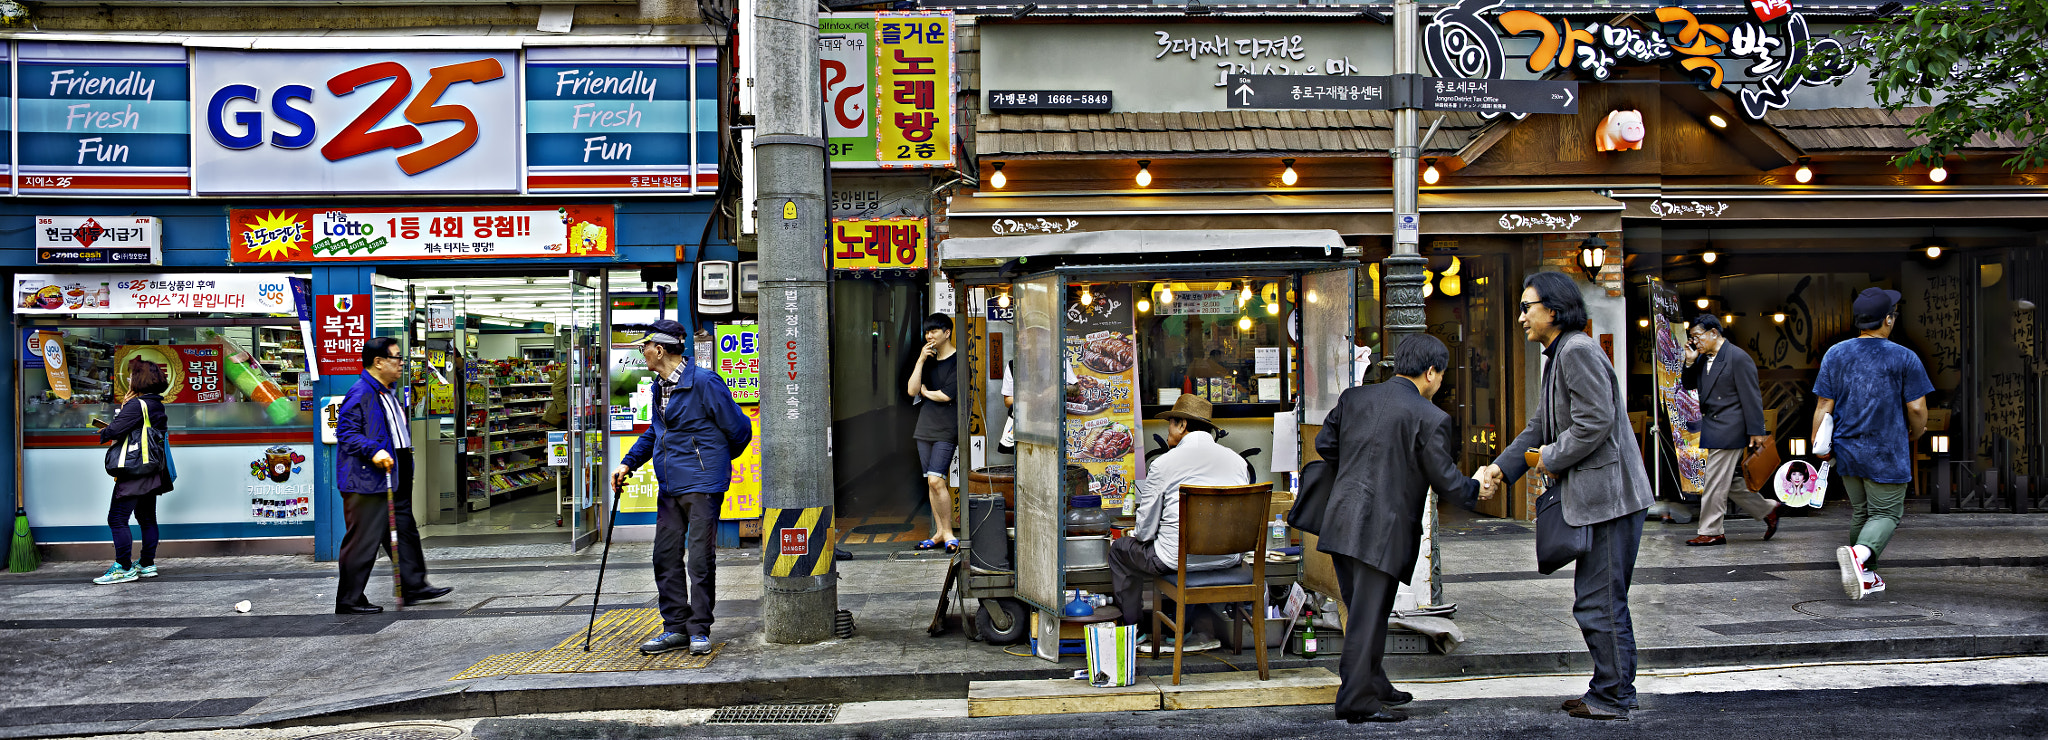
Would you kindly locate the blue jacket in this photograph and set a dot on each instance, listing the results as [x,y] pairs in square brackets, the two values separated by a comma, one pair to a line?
[360,434]
[695,437]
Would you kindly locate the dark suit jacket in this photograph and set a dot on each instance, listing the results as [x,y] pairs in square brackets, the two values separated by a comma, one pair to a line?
[1581,424]
[1731,406]
[1389,446]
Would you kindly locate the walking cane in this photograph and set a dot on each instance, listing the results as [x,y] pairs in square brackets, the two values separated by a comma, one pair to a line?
[612,520]
[391,510]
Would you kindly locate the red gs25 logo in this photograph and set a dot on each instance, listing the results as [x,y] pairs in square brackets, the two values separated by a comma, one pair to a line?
[359,137]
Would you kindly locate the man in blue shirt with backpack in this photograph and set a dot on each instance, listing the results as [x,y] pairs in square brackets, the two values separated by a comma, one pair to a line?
[696,432]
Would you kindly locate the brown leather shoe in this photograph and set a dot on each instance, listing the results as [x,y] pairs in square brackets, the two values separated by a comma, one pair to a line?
[1707,540]
[1571,704]
[1771,521]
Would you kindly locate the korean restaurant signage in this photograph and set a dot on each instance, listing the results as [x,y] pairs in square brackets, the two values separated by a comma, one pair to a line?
[104,119]
[622,119]
[1171,65]
[99,240]
[452,232]
[1050,101]
[341,324]
[879,244]
[116,293]
[1750,59]
[739,360]
[888,88]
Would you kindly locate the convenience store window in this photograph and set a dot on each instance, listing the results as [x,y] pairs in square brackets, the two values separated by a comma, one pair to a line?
[1226,341]
[225,374]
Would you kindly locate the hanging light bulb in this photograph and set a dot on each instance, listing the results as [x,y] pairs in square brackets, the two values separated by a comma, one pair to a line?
[1939,174]
[1287,176]
[1245,296]
[997,180]
[1144,306]
[1728,319]
[1244,323]
[1710,256]
[1702,302]
[1934,251]
[1717,120]
[1003,301]
[1431,175]
[1643,323]
[1273,307]
[1086,296]
[1805,172]
[1165,294]
[1778,317]
[1144,173]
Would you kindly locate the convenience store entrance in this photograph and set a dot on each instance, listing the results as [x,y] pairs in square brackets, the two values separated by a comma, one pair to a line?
[507,376]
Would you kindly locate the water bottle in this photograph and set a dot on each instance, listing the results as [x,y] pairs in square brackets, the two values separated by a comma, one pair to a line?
[1276,534]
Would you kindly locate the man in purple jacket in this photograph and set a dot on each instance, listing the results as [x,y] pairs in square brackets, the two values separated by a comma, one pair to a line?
[375,445]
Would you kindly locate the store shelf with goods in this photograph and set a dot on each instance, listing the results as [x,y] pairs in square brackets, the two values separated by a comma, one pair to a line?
[519,448]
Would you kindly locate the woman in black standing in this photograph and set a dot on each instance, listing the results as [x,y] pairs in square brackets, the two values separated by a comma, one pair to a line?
[136,496]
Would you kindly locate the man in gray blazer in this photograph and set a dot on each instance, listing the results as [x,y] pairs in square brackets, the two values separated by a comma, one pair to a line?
[1731,419]
[1579,429]
[1389,446]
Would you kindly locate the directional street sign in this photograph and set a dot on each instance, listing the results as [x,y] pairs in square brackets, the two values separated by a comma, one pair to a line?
[1342,92]
[1497,96]
[1298,92]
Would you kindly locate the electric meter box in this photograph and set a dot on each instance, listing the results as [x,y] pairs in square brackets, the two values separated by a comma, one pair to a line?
[715,288]
[750,287]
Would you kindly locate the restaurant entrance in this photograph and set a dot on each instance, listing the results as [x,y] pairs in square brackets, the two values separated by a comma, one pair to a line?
[507,382]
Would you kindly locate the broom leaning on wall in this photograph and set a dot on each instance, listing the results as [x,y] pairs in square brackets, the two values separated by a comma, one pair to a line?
[21,554]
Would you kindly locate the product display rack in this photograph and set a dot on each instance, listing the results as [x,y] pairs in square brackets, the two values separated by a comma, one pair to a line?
[508,453]
[282,351]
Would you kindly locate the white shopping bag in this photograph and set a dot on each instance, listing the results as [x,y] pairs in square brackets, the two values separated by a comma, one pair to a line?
[1112,654]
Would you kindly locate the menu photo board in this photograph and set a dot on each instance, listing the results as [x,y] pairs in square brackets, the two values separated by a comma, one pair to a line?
[1101,370]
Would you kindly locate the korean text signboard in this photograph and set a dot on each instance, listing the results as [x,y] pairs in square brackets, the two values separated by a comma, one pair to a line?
[888,88]
[235,293]
[341,324]
[451,232]
[739,360]
[613,119]
[192,371]
[274,122]
[1749,60]
[98,240]
[104,119]
[743,497]
[879,244]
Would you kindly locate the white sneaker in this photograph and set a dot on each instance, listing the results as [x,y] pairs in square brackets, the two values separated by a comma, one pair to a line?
[1852,571]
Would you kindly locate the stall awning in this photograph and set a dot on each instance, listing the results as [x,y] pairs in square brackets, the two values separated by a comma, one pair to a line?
[1466,212]
[973,251]
[1787,205]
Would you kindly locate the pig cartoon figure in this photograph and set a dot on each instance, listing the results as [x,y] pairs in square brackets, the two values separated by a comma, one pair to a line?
[1620,131]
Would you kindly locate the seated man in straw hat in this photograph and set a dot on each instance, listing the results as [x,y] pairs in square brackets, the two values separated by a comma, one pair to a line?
[1153,548]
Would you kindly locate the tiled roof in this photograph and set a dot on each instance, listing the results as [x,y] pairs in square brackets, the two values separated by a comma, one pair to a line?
[1310,132]
[1863,130]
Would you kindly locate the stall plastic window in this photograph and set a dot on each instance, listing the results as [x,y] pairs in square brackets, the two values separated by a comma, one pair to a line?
[1209,339]
[255,389]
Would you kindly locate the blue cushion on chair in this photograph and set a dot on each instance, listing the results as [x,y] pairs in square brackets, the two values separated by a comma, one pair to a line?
[1238,576]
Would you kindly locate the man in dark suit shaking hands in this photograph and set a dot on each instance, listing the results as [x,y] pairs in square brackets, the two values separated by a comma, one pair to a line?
[1731,418]
[1389,446]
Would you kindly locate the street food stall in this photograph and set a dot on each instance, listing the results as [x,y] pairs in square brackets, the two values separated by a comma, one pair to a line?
[1105,331]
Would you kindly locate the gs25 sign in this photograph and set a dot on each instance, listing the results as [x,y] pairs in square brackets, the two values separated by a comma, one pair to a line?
[320,122]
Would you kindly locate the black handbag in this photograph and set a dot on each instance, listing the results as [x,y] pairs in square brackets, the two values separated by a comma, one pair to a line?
[1317,478]
[142,453]
[1558,543]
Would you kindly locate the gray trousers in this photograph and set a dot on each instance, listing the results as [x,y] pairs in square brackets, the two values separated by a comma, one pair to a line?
[1724,484]
[1600,582]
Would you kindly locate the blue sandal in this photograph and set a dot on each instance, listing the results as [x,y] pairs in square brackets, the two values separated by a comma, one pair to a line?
[928,545]
[952,546]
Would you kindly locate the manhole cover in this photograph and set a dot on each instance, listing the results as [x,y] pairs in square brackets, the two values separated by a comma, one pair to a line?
[406,731]
[776,714]
[883,528]
[1868,611]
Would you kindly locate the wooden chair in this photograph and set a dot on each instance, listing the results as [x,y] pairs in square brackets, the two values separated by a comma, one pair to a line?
[1217,520]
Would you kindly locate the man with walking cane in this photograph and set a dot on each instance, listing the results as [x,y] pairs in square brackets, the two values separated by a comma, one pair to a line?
[697,431]
[374,472]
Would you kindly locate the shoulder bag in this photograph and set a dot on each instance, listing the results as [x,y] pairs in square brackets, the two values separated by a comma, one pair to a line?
[1559,543]
[1317,478]
[142,453]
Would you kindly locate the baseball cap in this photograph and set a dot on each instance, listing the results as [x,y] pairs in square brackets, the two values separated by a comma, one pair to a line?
[666,331]
[1873,304]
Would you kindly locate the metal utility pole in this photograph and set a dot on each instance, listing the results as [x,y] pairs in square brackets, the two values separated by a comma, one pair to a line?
[1402,272]
[800,591]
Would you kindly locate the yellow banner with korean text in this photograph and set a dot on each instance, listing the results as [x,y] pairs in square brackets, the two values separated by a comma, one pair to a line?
[913,89]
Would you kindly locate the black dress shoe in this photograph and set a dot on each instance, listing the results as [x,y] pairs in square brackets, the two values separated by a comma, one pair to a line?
[1771,521]
[429,593]
[1379,716]
[1400,698]
[359,609]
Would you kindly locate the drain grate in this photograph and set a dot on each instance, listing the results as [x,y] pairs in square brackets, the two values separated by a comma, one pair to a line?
[404,731]
[776,714]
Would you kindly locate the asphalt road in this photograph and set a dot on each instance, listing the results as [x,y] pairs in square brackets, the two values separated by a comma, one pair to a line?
[1976,712]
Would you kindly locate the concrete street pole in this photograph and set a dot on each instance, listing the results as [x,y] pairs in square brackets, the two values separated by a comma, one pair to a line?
[1402,272]
[800,593]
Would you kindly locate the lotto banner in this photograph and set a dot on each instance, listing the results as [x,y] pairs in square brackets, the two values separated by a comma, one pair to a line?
[1102,390]
[450,232]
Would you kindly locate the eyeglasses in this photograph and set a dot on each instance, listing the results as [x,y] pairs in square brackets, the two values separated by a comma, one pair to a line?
[1526,304]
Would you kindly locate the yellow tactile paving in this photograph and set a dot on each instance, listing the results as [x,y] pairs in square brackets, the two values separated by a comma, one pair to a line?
[614,646]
